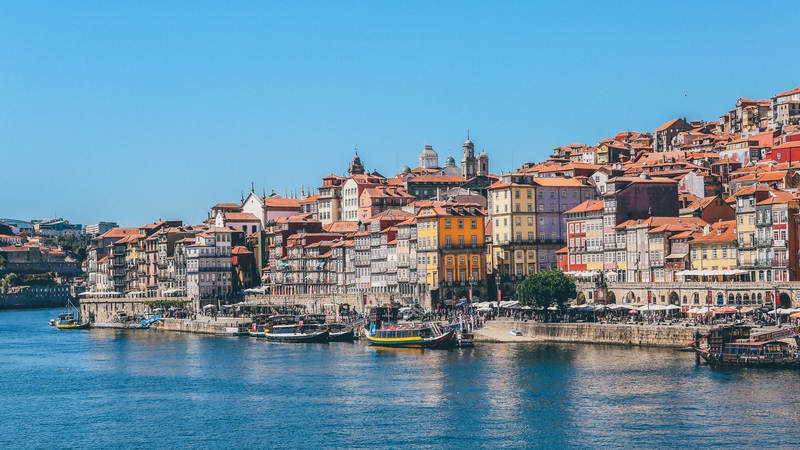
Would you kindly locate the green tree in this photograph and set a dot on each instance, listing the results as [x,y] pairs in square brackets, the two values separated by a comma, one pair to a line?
[9,281]
[545,289]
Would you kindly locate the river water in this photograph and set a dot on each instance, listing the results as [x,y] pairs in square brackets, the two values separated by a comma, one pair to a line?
[147,389]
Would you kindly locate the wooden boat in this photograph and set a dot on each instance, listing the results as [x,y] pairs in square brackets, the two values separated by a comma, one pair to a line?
[339,332]
[67,320]
[312,333]
[733,345]
[427,335]
[259,326]
[291,329]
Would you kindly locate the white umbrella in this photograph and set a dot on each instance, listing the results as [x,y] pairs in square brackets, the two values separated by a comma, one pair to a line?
[672,307]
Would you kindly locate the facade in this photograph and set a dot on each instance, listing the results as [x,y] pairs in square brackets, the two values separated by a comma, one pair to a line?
[329,199]
[451,249]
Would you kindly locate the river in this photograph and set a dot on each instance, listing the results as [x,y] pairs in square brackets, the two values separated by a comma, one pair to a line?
[147,389]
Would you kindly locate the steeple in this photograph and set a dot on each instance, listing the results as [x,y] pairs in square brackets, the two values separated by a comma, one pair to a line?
[468,162]
[356,168]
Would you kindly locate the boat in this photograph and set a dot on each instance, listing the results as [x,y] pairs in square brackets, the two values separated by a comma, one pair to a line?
[297,334]
[290,329]
[259,326]
[150,320]
[425,335]
[339,332]
[734,345]
[67,321]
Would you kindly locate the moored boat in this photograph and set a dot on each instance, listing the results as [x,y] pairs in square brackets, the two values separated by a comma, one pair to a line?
[426,335]
[733,345]
[70,319]
[291,330]
[297,334]
[339,332]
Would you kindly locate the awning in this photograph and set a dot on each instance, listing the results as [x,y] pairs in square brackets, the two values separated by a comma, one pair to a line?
[676,256]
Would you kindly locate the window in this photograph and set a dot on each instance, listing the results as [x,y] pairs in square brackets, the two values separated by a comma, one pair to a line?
[518,221]
[474,241]
[540,193]
[516,193]
[473,224]
[460,224]
[563,193]
[447,224]
[530,193]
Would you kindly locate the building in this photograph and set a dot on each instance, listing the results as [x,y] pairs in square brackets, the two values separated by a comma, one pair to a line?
[100,228]
[329,199]
[57,227]
[662,138]
[451,249]
[786,108]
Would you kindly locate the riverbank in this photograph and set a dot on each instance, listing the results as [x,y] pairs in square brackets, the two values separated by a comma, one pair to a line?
[669,336]
[498,331]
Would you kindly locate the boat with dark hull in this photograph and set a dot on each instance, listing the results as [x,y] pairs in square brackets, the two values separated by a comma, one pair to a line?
[297,334]
[734,345]
[339,332]
[426,335]
[70,319]
[291,329]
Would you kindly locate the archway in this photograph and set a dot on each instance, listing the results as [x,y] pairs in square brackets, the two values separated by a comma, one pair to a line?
[611,298]
[462,295]
[784,301]
[674,299]
[731,300]
[476,295]
[630,298]
[580,299]
[720,298]
[746,299]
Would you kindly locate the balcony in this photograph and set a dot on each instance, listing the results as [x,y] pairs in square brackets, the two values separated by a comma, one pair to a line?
[780,243]
[763,242]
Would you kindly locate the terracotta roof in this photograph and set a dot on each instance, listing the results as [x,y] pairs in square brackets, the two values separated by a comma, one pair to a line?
[727,233]
[240,250]
[119,232]
[227,206]
[667,125]
[588,205]
[280,202]
[312,199]
[789,92]
[777,197]
[341,227]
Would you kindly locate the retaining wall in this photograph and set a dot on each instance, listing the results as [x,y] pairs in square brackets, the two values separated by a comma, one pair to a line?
[648,336]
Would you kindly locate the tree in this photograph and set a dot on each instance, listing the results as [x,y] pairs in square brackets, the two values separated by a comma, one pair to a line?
[545,289]
[9,281]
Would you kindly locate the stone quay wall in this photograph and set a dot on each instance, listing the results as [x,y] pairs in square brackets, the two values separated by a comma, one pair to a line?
[193,326]
[595,333]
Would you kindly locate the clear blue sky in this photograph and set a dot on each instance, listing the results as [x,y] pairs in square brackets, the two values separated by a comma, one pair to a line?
[135,111]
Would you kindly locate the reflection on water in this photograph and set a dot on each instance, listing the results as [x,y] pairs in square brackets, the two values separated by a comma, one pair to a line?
[116,388]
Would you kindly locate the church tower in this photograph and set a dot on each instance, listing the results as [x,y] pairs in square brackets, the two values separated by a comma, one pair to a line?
[356,168]
[468,162]
[483,164]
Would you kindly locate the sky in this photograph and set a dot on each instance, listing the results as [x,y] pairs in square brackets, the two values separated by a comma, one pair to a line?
[138,111]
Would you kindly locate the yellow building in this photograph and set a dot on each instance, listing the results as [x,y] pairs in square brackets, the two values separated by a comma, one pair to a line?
[714,248]
[450,244]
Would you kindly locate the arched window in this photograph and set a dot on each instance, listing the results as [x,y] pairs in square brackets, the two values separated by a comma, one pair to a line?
[696,298]
[685,300]
[730,299]
[746,299]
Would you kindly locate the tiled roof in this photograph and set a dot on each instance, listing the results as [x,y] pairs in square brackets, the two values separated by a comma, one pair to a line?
[588,205]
